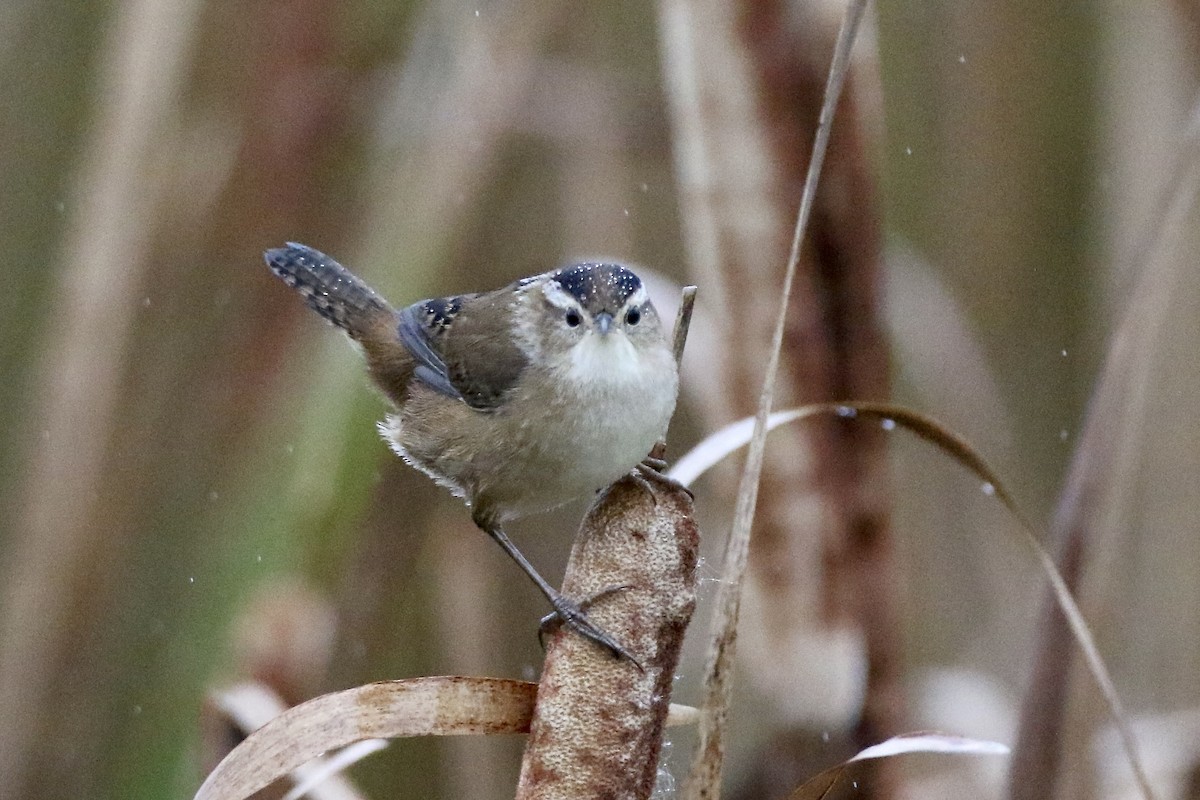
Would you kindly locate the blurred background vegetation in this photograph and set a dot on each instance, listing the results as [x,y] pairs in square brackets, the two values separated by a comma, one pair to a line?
[191,487]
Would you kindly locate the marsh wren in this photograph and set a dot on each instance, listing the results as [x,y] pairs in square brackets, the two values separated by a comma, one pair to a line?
[518,399]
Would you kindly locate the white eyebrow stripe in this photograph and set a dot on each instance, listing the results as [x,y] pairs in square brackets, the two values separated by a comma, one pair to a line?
[638,298]
[558,296]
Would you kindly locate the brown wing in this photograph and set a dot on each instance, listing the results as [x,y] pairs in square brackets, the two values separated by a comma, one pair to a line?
[464,346]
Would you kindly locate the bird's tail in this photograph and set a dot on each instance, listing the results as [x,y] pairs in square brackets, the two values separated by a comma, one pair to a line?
[330,289]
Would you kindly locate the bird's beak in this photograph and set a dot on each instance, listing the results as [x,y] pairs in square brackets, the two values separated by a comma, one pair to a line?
[604,321]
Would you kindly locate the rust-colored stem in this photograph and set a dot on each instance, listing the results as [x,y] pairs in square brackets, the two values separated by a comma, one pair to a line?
[597,729]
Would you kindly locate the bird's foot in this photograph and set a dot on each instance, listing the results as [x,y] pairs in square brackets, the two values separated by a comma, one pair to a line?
[574,616]
[652,469]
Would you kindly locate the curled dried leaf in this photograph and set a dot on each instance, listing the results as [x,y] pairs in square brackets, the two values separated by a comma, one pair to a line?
[284,739]
[433,706]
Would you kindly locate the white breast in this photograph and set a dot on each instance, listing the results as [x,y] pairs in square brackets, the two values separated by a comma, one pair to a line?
[601,409]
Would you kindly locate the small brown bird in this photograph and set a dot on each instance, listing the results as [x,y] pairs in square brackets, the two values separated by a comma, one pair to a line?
[518,399]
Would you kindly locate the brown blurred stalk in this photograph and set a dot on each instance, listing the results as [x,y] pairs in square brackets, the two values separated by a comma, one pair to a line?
[104,254]
[159,355]
[745,83]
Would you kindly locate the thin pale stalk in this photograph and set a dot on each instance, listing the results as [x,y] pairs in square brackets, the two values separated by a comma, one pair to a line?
[705,776]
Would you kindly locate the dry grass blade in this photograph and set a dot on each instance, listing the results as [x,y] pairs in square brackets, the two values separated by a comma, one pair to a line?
[819,786]
[958,448]
[711,450]
[434,706]
[705,775]
[245,707]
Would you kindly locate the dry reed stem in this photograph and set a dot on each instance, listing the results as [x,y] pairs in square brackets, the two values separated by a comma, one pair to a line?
[704,779]
[597,728]
[836,348]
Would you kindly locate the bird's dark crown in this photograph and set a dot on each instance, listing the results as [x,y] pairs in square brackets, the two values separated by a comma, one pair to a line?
[598,286]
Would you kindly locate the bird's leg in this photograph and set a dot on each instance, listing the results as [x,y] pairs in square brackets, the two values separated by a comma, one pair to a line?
[571,613]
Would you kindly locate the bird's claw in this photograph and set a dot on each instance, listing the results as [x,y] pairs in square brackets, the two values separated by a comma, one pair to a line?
[574,616]
[653,469]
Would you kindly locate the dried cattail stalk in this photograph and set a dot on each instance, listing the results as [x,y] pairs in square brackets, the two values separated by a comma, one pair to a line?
[597,729]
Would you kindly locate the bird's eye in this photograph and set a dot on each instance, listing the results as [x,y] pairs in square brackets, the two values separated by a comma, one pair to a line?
[573,318]
[633,317]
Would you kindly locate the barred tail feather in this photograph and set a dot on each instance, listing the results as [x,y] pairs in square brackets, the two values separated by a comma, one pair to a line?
[328,288]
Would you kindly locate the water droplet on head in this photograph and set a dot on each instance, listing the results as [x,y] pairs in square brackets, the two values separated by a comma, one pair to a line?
[846,412]
[988,489]
[888,424]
